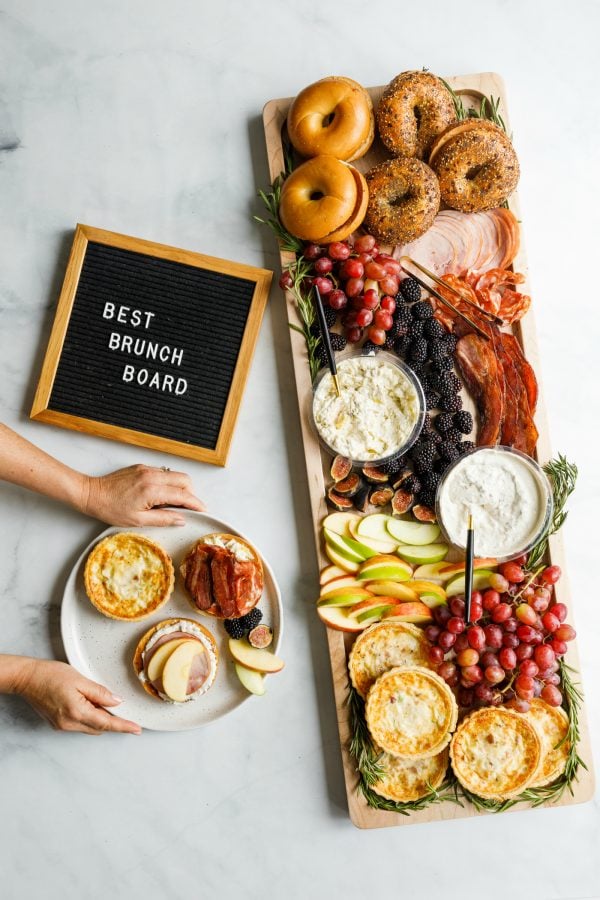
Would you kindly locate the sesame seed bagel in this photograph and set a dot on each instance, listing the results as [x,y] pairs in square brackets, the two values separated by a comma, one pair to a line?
[477,167]
[333,116]
[404,198]
[414,108]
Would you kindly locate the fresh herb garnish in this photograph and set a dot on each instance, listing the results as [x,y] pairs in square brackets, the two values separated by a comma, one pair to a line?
[489,108]
[271,200]
[302,290]
[563,477]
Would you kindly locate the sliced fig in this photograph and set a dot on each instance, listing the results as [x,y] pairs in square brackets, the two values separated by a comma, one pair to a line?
[349,486]
[381,496]
[375,475]
[402,502]
[261,636]
[400,477]
[339,501]
[340,468]
[424,513]
[361,498]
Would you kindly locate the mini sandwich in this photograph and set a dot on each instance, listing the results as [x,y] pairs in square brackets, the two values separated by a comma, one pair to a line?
[176,660]
[223,576]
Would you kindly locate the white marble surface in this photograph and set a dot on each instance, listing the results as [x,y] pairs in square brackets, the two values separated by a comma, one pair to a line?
[144,117]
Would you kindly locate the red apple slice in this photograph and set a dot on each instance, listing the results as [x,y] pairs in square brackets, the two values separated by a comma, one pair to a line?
[253,658]
[337,618]
[329,573]
[416,612]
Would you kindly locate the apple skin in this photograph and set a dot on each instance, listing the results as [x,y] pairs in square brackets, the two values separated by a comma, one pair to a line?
[385,568]
[338,560]
[375,544]
[481,581]
[400,590]
[253,681]
[452,569]
[344,597]
[253,658]
[418,554]
[431,572]
[427,587]
[343,546]
[413,533]
[376,606]
[329,573]
[416,613]
[336,618]
[345,581]
[375,526]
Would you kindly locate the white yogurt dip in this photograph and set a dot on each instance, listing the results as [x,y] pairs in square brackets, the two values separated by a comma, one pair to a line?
[375,414]
[506,496]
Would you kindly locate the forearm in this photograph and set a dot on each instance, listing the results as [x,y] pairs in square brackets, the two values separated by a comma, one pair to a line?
[14,671]
[24,464]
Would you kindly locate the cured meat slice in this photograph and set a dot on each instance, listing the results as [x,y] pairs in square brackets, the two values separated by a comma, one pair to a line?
[247,585]
[222,568]
[524,368]
[480,370]
[199,671]
[518,429]
[198,579]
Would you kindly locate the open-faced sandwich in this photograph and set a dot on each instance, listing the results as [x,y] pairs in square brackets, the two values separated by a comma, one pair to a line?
[223,576]
[176,660]
[127,576]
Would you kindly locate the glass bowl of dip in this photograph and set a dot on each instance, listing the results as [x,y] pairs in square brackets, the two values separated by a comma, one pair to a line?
[508,495]
[379,414]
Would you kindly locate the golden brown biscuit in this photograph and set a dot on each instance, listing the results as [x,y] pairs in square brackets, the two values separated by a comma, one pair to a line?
[409,779]
[552,725]
[382,647]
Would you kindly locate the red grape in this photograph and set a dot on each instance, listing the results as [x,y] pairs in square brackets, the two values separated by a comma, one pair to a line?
[457,606]
[461,643]
[484,693]
[519,704]
[510,640]
[447,670]
[436,655]
[323,285]
[489,658]
[498,582]
[476,611]
[528,592]
[391,265]
[349,319]
[377,335]
[364,317]
[375,271]
[560,611]
[528,667]
[524,687]
[365,258]
[550,622]
[456,625]
[552,678]
[474,674]
[501,612]
[354,287]
[526,614]
[364,243]
[383,319]
[494,674]
[468,657]
[551,695]
[390,285]
[446,640]
[551,574]
[441,614]
[559,647]
[520,560]
[432,633]
[353,334]
[510,625]
[507,659]
[352,268]
[539,603]
[389,304]
[526,634]
[337,299]
[312,251]
[490,599]
[476,638]
[544,656]
[524,651]
[286,280]
[323,266]
[339,250]
[493,636]
[465,697]
[565,633]
[370,299]
[512,572]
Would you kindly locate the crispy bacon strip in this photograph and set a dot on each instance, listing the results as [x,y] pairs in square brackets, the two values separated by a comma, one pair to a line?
[524,368]
[518,428]
[480,370]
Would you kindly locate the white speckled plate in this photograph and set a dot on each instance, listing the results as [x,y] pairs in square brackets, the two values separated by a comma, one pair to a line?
[102,648]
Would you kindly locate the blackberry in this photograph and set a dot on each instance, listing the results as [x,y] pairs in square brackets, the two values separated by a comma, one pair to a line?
[251,619]
[444,422]
[234,628]
[447,382]
[419,369]
[389,342]
[443,364]
[422,310]
[411,484]
[432,398]
[466,447]
[428,427]
[418,350]
[451,403]
[410,290]
[438,350]
[427,498]
[434,329]
[398,329]
[453,435]
[441,465]
[463,421]
[369,347]
[424,456]
[450,341]
[338,341]
[322,355]
[315,329]
[330,316]
[430,481]
[449,450]
[415,329]
[392,466]
[402,344]
[403,314]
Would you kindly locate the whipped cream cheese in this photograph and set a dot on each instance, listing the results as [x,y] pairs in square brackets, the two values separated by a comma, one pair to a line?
[505,495]
[239,550]
[375,414]
[187,628]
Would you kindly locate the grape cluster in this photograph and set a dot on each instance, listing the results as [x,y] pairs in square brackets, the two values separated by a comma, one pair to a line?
[509,652]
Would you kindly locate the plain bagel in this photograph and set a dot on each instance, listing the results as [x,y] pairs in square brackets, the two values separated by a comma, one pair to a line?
[333,116]
[404,198]
[414,108]
[323,200]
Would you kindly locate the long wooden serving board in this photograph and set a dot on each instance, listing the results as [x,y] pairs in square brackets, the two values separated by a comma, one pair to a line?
[471,88]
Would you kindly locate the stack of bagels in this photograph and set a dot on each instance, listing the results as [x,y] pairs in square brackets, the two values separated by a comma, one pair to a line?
[471,164]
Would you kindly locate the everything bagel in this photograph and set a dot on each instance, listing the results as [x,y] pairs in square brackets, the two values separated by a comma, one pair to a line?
[414,108]
[333,116]
[404,197]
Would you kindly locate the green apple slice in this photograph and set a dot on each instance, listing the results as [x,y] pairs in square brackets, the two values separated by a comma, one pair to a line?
[344,597]
[481,580]
[375,526]
[384,568]
[375,606]
[417,613]
[346,581]
[433,600]
[338,560]
[413,533]
[340,522]
[374,543]
[252,681]
[431,572]
[451,570]
[348,546]
[429,553]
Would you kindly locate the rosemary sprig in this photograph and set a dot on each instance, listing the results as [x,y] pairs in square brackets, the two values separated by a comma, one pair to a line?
[370,771]
[563,477]
[271,200]
[489,108]
[299,270]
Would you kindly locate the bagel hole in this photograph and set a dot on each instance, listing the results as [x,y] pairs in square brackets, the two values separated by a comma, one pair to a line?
[400,199]
[417,115]
[328,119]
[473,172]
[316,195]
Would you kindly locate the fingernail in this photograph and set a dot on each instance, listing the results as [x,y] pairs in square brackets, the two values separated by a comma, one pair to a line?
[117,699]
[137,731]
[179,521]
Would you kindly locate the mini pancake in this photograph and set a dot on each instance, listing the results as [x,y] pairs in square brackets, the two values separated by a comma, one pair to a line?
[384,646]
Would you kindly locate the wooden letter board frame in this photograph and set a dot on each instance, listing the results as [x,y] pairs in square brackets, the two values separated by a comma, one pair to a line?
[41,410]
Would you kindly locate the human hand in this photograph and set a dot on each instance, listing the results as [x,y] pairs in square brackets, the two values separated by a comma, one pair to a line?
[67,700]
[130,496]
